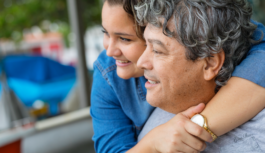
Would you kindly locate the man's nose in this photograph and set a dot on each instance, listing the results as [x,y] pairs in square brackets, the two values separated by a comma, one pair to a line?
[113,49]
[145,60]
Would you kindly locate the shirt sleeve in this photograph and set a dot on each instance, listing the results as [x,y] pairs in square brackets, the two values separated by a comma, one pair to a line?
[113,130]
[252,67]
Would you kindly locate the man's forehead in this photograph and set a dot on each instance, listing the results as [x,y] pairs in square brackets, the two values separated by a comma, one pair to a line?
[156,33]
[153,32]
[150,26]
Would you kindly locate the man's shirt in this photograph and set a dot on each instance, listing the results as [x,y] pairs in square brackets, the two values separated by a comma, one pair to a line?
[247,138]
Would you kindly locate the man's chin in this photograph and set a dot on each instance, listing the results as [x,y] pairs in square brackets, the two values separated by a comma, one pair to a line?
[153,100]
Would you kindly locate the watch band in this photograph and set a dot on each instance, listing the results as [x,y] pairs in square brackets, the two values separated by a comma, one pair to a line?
[205,126]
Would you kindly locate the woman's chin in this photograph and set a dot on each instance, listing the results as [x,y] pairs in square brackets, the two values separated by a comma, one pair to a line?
[125,76]
[129,73]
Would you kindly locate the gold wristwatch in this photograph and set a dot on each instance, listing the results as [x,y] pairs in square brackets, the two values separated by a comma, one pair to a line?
[202,121]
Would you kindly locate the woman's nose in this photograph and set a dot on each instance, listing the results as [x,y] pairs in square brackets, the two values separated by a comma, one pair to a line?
[113,49]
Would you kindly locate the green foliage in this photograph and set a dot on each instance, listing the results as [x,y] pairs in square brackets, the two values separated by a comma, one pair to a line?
[17,15]
[258,10]
[91,12]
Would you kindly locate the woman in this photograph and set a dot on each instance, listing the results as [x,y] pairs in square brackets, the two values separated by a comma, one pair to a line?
[118,106]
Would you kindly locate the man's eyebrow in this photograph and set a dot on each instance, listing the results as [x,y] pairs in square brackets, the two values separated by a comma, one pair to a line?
[158,42]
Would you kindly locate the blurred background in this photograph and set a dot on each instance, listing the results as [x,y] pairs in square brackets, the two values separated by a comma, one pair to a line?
[47,50]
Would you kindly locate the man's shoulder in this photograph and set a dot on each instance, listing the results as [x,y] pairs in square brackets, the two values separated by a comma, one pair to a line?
[105,64]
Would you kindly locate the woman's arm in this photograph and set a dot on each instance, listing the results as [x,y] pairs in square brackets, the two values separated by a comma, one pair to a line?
[236,103]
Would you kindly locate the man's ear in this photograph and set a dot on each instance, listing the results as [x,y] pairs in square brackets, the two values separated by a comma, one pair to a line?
[213,65]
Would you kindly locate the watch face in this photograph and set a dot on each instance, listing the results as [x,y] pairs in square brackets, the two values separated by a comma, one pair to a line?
[198,119]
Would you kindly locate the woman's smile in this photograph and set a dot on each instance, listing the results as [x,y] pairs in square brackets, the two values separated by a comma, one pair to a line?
[123,63]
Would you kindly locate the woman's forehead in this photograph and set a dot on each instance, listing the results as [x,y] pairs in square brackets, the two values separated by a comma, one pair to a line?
[114,18]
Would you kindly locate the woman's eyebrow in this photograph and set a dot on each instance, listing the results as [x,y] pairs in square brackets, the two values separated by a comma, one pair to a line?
[119,33]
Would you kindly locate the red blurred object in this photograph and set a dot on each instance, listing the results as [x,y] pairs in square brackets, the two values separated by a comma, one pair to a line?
[47,45]
[36,50]
[55,50]
[55,47]
[14,147]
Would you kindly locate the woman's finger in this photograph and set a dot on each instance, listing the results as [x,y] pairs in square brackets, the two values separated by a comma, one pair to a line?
[194,142]
[187,149]
[193,110]
[198,131]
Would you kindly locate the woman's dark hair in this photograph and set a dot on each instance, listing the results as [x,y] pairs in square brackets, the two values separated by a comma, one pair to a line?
[128,6]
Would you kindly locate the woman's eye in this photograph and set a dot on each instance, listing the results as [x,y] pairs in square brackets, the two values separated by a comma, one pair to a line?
[105,32]
[124,39]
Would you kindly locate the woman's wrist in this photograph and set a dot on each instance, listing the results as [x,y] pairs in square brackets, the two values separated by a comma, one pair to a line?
[144,146]
[148,142]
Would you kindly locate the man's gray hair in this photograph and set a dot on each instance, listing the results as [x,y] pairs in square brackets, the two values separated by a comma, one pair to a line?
[204,27]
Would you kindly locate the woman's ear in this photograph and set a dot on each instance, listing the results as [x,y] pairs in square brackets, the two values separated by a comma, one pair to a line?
[213,65]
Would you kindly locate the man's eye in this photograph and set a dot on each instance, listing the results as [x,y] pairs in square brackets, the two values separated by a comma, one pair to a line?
[124,39]
[157,52]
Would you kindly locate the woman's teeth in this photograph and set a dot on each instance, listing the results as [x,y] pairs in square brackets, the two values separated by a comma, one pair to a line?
[123,61]
[153,82]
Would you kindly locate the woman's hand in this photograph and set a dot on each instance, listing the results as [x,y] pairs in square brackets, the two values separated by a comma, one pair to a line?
[179,134]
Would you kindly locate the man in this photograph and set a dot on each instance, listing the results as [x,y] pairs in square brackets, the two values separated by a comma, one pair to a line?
[192,49]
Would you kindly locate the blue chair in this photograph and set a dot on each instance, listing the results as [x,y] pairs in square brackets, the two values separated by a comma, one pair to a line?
[38,78]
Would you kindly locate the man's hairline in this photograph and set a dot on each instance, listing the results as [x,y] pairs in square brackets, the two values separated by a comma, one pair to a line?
[156,41]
